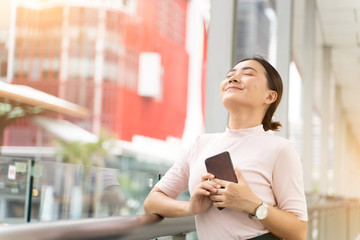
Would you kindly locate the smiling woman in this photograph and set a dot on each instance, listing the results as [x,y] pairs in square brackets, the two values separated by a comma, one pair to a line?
[268,200]
[262,89]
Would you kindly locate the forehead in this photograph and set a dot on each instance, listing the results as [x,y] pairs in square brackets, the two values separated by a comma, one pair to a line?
[249,64]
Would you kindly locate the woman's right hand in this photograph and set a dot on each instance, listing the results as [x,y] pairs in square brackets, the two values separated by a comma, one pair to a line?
[200,201]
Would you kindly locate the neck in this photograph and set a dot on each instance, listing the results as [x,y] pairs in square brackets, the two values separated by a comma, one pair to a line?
[244,119]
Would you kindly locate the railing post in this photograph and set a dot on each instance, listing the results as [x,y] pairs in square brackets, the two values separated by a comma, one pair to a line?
[323,223]
[28,204]
[348,222]
[310,225]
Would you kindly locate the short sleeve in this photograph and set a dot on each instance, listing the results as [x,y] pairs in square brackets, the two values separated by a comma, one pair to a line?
[288,185]
[176,179]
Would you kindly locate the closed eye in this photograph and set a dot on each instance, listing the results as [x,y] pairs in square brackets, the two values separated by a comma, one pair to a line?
[229,76]
[249,71]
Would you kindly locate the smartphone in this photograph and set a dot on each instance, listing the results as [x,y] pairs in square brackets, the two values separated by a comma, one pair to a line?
[221,166]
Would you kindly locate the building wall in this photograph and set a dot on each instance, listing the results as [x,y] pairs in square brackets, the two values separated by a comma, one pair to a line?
[43,36]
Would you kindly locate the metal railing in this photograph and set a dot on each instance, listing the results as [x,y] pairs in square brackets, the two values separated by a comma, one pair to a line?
[145,226]
[338,219]
[334,219]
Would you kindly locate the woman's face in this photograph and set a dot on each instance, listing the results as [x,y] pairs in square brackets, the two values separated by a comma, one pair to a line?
[246,85]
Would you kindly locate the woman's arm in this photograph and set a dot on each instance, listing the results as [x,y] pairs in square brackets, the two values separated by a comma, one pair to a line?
[285,225]
[238,196]
[159,203]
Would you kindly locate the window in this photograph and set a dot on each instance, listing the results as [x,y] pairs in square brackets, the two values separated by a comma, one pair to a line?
[35,73]
[150,71]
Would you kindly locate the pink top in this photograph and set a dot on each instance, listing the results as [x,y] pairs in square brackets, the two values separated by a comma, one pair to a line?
[269,164]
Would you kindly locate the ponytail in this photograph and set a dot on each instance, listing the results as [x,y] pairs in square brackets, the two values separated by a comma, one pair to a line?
[267,122]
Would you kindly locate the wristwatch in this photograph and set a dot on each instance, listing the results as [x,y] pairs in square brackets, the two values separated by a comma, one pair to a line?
[261,212]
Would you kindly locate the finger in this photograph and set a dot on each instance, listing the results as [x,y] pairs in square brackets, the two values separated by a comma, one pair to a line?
[205,190]
[218,204]
[239,176]
[202,192]
[221,190]
[216,198]
[209,186]
[207,176]
[220,183]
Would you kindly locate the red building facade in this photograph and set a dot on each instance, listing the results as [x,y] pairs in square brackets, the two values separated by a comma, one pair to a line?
[90,56]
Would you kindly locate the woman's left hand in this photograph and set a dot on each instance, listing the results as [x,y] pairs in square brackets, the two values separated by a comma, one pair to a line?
[237,196]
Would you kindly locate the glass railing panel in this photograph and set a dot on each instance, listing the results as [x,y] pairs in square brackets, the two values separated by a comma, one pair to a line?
[15,179]
[69,191]
[62,191]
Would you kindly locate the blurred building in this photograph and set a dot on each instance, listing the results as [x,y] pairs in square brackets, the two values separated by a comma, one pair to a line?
[4,36]
[255,29]
[111,57]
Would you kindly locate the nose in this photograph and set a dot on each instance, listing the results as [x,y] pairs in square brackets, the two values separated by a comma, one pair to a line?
[232,80]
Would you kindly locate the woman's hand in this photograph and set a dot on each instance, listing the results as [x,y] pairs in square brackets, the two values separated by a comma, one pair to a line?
[200,196]
[237,196]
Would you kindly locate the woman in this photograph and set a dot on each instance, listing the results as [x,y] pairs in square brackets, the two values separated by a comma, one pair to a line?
[268,202]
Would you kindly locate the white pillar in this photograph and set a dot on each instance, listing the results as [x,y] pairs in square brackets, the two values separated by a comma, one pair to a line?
[194,123]
[325,116]
[12,39]
[308,102]
[64,55]
[284,12]
[339,145]
[220,51]
[99,68]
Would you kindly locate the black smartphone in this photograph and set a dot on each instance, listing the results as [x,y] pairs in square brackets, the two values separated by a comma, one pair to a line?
[221,166]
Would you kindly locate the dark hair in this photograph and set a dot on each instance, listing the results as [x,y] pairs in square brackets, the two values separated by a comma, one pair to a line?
[274,83]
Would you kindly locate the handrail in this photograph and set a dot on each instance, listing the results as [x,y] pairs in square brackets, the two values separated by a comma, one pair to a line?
[136,227]
[327,206]
[91,228]
[167,227]
[122,227]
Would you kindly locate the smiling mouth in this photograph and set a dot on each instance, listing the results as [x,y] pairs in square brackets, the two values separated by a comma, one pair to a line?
[233,88]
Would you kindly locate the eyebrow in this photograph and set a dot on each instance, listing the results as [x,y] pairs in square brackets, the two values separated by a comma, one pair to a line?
[231,71]
[244,68]
[251,68]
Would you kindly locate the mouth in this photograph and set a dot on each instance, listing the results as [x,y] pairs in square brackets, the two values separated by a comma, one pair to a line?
[233,88]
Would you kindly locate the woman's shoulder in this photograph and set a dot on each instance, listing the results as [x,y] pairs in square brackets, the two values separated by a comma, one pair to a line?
[202,139]
[206,138]
[275,140]
[278,145]
[209,137]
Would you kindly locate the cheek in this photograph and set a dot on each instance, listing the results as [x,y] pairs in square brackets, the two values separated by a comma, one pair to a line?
[221,87]
[222,84]
[261,93]
[258,88]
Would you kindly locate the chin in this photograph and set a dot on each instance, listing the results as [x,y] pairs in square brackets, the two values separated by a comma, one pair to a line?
[231,102]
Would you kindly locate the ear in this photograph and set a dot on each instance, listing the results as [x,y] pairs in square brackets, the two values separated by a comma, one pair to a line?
[271,97]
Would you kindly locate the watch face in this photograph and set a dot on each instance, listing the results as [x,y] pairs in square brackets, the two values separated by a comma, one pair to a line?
[262,212]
